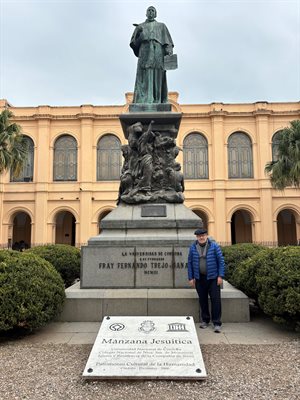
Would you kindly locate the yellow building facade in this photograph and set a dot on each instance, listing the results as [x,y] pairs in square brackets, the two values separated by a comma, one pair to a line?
[71,179]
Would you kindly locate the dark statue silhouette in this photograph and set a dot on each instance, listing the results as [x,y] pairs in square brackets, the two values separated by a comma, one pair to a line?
[150,172]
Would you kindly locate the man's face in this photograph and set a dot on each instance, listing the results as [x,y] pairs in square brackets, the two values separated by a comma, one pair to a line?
[151,13]
[202,238]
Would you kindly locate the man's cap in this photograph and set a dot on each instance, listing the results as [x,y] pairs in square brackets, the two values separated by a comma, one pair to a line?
[201,231]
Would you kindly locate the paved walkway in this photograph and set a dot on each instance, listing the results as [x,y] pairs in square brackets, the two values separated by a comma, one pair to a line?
[260,330]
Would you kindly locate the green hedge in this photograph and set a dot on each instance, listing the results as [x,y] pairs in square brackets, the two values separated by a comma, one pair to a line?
[31,291]
[234,255]
[278,284]
[270,276]
[246,273]
[64,258]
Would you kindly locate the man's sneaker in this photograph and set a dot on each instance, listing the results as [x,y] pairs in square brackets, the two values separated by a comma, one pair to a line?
[203,325]
[217,328]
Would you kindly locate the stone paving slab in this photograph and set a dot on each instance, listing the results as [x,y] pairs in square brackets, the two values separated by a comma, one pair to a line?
[260,331]
[83,338]
[72,327]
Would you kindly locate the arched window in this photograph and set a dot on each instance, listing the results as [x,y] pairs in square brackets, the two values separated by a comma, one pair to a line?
[275,143]
[195,157]
[108,158]
[101,216]
[203,216]
[241,227]
[21,235]
[26,174]
[287,228]
[240,161]
[65,229]
[65,159]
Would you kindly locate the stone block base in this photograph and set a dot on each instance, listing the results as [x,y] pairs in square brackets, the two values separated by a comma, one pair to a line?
[91,305]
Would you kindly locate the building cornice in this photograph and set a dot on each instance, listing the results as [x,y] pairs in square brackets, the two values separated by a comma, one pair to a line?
[241,113]
[210,114]
[65,117]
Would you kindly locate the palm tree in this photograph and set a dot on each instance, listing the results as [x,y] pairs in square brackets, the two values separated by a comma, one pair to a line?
[13,145]
[285,171]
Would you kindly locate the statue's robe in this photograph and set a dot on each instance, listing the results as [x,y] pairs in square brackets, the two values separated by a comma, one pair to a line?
[150,46]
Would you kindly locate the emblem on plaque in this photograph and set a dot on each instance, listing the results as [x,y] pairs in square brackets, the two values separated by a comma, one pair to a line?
[147,327]
[177,327]
[116,327]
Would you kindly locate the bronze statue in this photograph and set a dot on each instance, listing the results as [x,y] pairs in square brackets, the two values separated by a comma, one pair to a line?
[153,45]
[150,172]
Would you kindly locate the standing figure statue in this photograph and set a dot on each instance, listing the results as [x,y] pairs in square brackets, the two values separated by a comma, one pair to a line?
[151,43]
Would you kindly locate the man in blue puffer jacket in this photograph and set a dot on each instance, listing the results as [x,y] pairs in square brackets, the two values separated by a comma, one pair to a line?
[206,270]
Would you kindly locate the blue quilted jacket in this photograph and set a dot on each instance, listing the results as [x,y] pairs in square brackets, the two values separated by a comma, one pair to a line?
[214,261]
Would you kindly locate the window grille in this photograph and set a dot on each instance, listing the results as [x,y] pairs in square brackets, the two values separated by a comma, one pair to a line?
[65,159]
[26,174]
[240,161]
[195,157]
[108,158]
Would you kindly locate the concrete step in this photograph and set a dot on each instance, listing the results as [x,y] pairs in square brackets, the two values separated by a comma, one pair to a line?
[91,305]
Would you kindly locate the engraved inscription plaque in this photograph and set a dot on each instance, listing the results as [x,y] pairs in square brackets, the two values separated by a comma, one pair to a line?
[146,347]
[154,267]
[153,211]
[129,267]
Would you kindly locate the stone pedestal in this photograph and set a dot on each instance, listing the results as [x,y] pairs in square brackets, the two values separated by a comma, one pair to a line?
[164,122]
[138,264]
[140,246]
[91,305]
[156,107]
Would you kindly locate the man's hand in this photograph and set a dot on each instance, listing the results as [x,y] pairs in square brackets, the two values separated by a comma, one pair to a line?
[192,283]
[219,281]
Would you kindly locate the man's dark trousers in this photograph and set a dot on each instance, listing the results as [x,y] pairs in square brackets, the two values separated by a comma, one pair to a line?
[209,287]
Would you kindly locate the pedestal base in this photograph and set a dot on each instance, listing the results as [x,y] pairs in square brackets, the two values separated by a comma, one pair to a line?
[164,122]
[146,107]
[91,305]
[141,246]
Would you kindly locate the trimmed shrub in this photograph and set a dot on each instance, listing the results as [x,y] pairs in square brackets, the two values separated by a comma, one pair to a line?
[246,272]
[235,254]
[31,291]
[64,258]
[278,283]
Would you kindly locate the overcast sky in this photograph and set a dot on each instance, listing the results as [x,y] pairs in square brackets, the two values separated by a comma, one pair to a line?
[73,52]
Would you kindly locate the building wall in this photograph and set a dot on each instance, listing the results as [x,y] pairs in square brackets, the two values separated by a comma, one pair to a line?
[87,199]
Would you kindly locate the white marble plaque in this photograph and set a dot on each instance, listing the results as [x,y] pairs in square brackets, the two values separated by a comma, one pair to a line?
[146,347]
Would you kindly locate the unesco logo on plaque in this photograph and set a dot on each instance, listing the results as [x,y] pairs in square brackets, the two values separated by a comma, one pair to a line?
[177,327]
[117,327]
